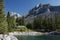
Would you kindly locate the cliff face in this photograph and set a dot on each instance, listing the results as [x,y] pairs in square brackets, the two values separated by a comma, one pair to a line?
[40,9]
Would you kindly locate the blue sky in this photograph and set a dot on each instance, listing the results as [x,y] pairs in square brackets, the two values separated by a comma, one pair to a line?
[23,6]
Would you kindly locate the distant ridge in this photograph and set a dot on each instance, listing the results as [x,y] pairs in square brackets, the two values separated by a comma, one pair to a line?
[42,9]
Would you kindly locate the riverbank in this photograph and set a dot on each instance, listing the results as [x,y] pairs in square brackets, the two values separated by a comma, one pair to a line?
[11,35]
[7,37]
[27,33]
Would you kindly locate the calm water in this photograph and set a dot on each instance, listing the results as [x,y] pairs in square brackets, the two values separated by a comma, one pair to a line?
[56,37]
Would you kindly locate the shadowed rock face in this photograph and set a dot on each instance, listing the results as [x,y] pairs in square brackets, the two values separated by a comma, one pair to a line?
[45,9]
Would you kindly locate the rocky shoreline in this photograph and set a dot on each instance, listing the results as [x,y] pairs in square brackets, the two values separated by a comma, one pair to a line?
[27,33]
[7,37]
[11,35]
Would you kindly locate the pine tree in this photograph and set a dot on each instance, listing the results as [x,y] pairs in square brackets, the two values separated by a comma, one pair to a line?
[3,22]
[11,22]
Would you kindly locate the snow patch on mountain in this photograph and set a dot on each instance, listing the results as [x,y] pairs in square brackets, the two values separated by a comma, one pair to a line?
[37,5]
[15,14]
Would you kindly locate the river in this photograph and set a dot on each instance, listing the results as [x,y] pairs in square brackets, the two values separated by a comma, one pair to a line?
[43,37]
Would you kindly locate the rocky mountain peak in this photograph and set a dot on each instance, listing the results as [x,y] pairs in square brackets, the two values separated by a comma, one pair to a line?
[42,9]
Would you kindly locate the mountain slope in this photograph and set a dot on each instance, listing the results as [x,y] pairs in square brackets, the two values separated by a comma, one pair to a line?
[40,9]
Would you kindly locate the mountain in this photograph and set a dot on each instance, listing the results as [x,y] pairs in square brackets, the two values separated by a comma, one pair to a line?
[45,9]
[15,14]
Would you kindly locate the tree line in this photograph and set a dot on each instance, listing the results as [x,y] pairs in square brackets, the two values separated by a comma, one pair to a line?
[7,23]
[45,22]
